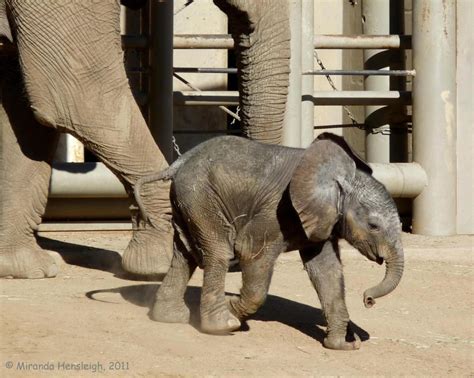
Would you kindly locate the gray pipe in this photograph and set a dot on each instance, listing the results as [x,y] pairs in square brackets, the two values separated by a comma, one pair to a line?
[94,180]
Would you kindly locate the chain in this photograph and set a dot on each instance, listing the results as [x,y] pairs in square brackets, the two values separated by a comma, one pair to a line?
[333,86]
[237,112]
[175,146]
[193,87]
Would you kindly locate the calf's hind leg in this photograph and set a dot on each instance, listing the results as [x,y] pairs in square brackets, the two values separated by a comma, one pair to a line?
[169,305]
[215,315]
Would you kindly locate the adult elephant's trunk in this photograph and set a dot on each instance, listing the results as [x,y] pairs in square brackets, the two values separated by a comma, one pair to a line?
[261,32]
[393,274]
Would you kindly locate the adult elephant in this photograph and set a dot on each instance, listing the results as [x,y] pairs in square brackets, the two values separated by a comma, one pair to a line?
[70,67]
[261,31]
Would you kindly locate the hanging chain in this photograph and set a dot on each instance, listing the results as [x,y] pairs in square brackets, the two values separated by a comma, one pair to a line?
[333,86]
[175,146]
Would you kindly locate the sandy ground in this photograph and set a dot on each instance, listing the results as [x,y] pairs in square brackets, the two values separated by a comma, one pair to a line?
[424,328]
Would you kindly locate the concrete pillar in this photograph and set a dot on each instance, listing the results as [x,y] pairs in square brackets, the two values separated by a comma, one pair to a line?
[292,122]
[69,150]
[434,114]
[160,97]
[465,117]
[307,64]
[376,21]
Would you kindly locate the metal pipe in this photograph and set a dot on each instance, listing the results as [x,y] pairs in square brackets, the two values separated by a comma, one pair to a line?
[434,114]
[225,41]
[291,134]
[329,98]
[84,180]
[160,111]
[96,181]
[376,20]
[362,72]
[307,64]
[402,180]
[321,41]
[217,70]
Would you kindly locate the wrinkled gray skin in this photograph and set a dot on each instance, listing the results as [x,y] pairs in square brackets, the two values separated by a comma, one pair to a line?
[261,31]
[69,77]
[238,199]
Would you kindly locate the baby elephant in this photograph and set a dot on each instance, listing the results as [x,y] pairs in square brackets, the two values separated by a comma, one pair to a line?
[237,199]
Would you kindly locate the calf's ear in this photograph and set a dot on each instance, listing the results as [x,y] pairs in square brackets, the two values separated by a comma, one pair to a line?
[315,187]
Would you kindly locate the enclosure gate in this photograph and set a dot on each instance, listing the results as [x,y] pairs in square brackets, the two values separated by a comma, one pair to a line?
[430,179]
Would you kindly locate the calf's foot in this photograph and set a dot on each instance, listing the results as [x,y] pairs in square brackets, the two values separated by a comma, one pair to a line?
[220,322]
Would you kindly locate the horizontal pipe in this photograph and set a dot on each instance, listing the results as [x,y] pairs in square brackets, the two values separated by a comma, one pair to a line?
[402,180]
[321,41]
[318,98]
[362,72]
[215,70]
[84,180]
[94,180]
[225,41]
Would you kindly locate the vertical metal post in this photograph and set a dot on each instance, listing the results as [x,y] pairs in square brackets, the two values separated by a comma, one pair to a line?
[307,64]
[160,113]
[292,122]
[434,114]
[376,21]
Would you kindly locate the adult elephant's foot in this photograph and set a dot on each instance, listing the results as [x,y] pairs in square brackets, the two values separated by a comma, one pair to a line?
[171,312]
[219,323]
[340,343]
[149,251]
[26,262]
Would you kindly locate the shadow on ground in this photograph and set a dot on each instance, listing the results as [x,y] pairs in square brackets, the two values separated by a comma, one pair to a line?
[93,258]
[301,317]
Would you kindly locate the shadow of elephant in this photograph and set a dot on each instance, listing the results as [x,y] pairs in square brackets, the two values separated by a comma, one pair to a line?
[93,258]
[306,319]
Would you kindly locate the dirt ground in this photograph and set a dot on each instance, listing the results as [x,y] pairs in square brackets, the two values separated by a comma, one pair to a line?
[93,319]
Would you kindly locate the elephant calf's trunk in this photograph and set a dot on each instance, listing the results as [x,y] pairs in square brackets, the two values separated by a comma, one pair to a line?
[392,277]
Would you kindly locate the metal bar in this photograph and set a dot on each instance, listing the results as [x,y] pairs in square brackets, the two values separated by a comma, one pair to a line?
[291,132]
[376,16]
[225,41]
[321,41]
[402,180]
[362,41]
[307,64]
[318,97]
[434,114]
[95,181]
[308,73]
[161,76]
[362,72]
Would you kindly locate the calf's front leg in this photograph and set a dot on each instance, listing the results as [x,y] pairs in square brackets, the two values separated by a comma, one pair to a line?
[324,269]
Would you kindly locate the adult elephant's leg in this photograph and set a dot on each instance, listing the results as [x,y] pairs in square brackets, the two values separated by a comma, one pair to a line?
[26,150]
[72,63]
[324,268]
